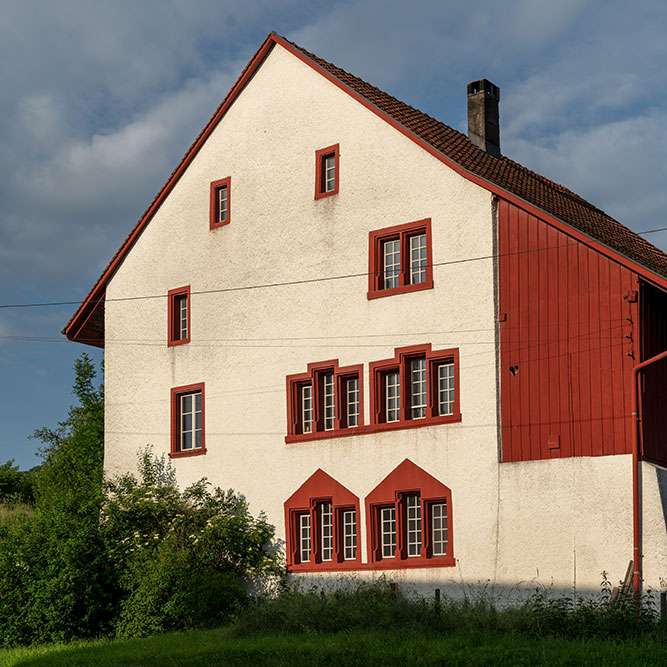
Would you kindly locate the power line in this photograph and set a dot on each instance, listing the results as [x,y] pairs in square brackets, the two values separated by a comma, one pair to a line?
[291,283]
[287,283]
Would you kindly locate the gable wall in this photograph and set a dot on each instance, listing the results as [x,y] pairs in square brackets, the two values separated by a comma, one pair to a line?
[279,232]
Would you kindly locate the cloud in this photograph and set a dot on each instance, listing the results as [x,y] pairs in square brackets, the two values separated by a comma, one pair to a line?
[620,163]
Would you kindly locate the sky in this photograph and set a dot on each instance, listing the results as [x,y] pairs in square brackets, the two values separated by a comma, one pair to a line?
[100,100]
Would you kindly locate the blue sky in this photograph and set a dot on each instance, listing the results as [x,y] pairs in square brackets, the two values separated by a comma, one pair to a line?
[100,101]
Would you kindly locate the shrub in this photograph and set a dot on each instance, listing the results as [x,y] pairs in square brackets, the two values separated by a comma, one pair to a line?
[185,557]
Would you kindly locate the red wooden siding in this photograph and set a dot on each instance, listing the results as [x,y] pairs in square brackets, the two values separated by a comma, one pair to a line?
[653,307]
[567,332]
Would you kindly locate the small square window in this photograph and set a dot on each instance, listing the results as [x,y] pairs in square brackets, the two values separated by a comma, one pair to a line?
[220,205]
[187,421]
[327,164]
[178,315]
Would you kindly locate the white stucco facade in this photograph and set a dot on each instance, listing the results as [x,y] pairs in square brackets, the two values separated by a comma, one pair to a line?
[559,522]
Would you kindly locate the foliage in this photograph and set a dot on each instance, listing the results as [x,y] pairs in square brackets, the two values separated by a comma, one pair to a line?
[16,485]
[352,605]
[130,557]
[185,556]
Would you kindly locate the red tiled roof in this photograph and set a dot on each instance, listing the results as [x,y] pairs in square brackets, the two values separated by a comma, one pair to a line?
[507,174]
[87,324]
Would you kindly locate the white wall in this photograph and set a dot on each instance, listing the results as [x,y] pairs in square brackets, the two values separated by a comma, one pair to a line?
[244,343]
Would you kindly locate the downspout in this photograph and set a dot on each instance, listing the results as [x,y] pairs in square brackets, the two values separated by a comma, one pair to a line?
[636,462]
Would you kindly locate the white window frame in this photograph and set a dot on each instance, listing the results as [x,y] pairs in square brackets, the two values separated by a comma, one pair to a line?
[305,544]
[388,533]
[446,388]
[418,259]
[391,263]
[326,531]
[307,408]
[196,421]
[352,401]
[413,513]
[392,382]
[329,172]
[329,400]
[223,201]
[349,534]
[439,528]
[418,388]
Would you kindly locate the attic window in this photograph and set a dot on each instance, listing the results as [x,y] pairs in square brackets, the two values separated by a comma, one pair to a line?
[178,316]
[220,206]
[326,171]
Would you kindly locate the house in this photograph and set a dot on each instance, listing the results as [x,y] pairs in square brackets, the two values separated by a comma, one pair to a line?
[414,354]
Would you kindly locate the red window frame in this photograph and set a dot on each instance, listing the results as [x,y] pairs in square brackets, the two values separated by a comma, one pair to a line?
[313,376]
[320,157]
[407,479]
[216,186]
[307,499]
[176,394]
[402,233]
[173,315]
[401,363]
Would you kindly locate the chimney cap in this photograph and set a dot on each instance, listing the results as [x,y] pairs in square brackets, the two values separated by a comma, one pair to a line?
[484,85]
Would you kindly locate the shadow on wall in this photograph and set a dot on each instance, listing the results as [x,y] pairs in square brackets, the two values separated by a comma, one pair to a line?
[499,595]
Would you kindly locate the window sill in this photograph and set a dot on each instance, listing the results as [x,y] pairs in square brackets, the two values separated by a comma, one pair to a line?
[193,452]
[174,343]
[376,294]
[388,564]
[373,428]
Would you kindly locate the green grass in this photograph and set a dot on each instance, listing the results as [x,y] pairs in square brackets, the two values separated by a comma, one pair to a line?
[224,647]
[13,513]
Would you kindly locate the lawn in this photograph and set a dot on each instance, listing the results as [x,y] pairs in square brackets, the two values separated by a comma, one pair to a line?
[224,647]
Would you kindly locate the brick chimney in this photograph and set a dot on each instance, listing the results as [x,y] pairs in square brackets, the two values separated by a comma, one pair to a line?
[483,119]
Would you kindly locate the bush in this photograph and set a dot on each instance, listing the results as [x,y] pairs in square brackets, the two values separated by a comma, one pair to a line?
[129,558]
[185,557]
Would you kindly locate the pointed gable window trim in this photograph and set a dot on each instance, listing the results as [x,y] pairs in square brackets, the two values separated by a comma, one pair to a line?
[221,202]
[327,162]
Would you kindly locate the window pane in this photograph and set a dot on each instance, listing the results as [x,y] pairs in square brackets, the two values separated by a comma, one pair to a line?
[439,528]
[414,516]
[352,401]
[418,388]
[329,173]
[388,531]
[417,259]
[391,263]
[307,408]
[393,396]
[446,389]
[350,534]
[186,440]
[326,519]
[329,402]
[222,204]
[186,403]
[304,538]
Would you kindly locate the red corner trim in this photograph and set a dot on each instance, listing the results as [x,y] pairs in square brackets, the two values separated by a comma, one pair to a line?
[213,208]
[319,174]
[176,392]
[171,315]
